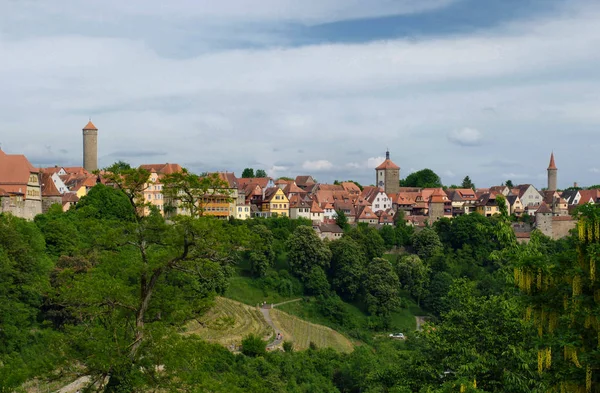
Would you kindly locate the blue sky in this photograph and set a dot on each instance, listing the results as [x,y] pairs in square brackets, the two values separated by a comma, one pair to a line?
[464,87]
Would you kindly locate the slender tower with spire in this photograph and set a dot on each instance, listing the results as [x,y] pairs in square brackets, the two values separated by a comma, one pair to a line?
[90,147]
[388,175]
[552,174]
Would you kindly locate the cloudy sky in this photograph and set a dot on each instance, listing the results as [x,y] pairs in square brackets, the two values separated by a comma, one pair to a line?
[322,87]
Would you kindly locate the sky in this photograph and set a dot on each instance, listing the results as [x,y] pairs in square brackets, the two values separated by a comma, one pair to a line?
[323,87]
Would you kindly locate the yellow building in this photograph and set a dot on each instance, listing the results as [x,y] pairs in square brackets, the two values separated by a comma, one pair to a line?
[153,188]
[275,202]
[487,206]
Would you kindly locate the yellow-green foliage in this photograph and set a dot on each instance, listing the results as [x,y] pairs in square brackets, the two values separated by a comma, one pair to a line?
[228,322]
[302,333]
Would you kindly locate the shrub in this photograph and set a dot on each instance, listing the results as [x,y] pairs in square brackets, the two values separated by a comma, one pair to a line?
[288,346]
[254,346]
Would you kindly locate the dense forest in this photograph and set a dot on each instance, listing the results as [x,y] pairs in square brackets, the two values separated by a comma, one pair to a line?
[103,290]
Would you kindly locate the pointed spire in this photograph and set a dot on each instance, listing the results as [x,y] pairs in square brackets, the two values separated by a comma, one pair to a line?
[387,154]
[90,126]
[552,164]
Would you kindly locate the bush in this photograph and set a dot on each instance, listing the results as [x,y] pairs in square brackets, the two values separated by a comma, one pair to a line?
[254,346]
[288,346]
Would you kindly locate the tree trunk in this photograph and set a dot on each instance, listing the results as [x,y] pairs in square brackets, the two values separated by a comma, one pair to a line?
[146,296]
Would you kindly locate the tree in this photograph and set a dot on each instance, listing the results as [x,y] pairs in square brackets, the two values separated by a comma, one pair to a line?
[388,234]
[262,254]
[381,287]
[142,272]
[306,251]
[253,346]
[414,276]
[104,202]
[426,243]
[192,193]
[369,239]
[509,183]
[316,282]
[425,178]
[248,173]
[347,267]
[261,173]
[341,219]
[467,183]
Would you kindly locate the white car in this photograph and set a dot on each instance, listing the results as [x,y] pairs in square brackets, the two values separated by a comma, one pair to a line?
[399,336]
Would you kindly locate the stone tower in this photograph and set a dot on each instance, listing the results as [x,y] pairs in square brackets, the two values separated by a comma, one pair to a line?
[552,174]
[387,175]
[437,201]
[90,147]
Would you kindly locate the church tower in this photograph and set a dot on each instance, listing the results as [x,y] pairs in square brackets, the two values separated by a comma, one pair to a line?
[552,174]
[90,147]
[387,176]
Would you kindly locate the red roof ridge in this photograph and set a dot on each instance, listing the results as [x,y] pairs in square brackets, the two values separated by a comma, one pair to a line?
[552,163]
[90,126]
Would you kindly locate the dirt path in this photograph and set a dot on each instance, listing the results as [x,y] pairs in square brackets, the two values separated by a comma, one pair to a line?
[286,302]
[420,322]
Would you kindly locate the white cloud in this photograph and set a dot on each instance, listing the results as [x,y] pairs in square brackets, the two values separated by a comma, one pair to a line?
[466,137]
[318,165]
[449,173]
[231,107]
[276,170]
[594,170]
[513,175]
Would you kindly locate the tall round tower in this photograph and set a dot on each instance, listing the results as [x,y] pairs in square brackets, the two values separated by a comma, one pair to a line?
[552,174]
[90,147]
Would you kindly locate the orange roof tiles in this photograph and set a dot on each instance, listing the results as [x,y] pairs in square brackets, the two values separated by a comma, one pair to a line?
[90,126]
[552,163]
[387,164]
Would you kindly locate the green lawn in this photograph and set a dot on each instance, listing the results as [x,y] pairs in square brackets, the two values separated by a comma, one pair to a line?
[245,290]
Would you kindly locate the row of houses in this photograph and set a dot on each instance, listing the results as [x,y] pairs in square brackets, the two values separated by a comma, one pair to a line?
[26,191]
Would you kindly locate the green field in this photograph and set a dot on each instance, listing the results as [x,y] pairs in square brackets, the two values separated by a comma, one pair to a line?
[245,290]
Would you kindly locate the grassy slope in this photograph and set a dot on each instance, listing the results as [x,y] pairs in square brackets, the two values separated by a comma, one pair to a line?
[244,289]
[228,322]
[302,333]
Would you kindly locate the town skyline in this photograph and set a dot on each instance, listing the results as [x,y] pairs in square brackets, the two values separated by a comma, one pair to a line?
[321,89]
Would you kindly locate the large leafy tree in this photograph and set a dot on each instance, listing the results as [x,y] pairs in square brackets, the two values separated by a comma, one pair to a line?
[381,287]
[425,178]
[347,267]
[369,239]
[306,251]
[261,173]
[426,243]
[141,274]
[413,275]
[192,193]
[262,254]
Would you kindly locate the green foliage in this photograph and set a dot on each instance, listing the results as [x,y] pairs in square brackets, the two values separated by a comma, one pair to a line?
[103,202]
[413,275]
[369,240]
[341,220]
[248,173]
[262,255]
[467,183]
[509,184]
[426,243]
[253,345]
[288,346]
[425,178]
[261,173]
[316,282]
[306,251]
[381,287]
[347,267]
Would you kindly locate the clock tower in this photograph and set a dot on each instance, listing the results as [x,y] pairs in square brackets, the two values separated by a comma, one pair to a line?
[387,176]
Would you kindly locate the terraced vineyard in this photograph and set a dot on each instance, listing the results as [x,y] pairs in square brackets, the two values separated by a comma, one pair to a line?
[228,322]
[302,333]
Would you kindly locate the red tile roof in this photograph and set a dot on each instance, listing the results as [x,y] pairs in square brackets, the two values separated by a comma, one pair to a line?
[552,163]
[387,164]
[48,187]
[90,126]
